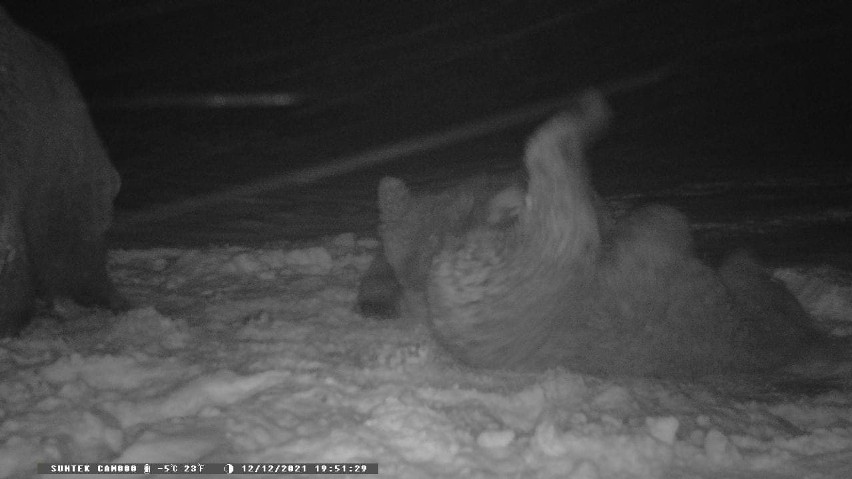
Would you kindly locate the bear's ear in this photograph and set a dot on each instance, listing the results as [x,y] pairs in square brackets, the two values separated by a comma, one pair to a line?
[394,199]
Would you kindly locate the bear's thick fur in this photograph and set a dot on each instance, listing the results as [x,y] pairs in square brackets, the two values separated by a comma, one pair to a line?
[415,229]
[562,284]
[57,184]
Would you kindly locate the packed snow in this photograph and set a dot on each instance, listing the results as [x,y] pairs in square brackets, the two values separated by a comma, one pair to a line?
[255,355]
[246,354]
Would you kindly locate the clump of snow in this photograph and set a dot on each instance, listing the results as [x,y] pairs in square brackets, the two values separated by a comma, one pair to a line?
[663,428]
[235,354]
[495,439]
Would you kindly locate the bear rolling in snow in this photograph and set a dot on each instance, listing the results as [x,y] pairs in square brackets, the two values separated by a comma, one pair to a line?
[56,184]
[413,231]
[544,278]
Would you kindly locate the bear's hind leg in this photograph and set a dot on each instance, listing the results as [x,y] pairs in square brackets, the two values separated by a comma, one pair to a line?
[17,289]
[66,261]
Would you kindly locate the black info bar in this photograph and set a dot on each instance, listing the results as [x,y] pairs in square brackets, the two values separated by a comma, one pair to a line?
[211,468]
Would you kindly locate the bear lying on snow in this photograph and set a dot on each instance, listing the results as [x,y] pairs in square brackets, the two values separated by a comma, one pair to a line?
[530,280]
[56,184]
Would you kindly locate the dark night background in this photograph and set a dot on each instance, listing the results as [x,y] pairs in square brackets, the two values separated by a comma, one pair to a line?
[757,102]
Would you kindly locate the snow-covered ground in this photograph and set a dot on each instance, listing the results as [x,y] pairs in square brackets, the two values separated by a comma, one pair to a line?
[251,355]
